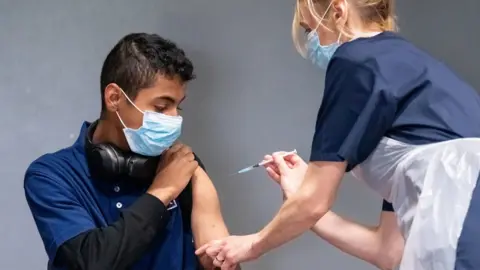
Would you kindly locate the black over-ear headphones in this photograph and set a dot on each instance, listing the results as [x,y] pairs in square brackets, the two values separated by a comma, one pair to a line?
[106,161]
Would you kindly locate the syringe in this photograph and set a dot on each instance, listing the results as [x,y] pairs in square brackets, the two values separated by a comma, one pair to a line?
[247,169]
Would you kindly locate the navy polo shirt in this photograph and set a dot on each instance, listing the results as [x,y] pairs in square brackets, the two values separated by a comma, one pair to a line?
[384,86]
[65,202]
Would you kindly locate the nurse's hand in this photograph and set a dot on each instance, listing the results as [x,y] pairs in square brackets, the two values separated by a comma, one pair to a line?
[288,171]
[229,252]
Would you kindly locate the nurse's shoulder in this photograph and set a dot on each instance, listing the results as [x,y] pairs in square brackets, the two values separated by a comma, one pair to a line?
[387,57]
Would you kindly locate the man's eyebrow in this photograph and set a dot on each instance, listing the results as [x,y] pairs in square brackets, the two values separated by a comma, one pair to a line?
[170,99]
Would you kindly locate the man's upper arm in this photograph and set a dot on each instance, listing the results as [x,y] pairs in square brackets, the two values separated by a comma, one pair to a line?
[56,212]
[207,220]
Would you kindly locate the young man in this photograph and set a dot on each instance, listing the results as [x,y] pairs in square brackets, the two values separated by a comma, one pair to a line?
[125,195]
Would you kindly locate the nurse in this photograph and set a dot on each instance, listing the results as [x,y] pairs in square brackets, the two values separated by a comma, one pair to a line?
[403,123]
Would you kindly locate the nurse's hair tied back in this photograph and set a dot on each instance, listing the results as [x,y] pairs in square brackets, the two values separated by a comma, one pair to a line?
[373,13]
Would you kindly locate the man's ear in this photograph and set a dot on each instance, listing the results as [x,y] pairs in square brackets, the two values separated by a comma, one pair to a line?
[113,96]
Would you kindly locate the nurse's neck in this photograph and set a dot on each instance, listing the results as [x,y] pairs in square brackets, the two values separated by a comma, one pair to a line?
[364,35]
[362,32]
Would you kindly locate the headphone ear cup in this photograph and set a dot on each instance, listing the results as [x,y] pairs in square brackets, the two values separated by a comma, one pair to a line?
[108,159]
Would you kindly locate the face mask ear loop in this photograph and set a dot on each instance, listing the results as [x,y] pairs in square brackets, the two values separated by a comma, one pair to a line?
[131,102]
[326,11]
[120,118]
[323,18]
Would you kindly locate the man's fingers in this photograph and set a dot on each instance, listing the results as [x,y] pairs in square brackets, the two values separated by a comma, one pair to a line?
[175,147]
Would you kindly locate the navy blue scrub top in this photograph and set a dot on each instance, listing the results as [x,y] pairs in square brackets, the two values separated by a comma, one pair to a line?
[384,86]
[65,202]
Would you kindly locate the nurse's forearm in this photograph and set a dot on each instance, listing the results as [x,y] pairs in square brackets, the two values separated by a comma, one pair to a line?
[352,238]
[304,208]
[294,218]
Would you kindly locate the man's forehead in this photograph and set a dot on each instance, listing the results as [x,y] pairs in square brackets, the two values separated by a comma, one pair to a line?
[166,88]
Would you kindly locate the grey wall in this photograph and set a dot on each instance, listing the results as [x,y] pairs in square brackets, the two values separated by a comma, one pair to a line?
[253,95]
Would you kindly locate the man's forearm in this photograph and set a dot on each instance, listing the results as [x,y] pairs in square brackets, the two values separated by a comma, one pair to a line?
[357,240]
[119,245]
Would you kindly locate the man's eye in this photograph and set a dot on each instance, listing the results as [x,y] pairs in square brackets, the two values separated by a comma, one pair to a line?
[159,109]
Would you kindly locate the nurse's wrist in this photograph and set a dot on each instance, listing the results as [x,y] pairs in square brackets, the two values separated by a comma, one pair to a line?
[258,244]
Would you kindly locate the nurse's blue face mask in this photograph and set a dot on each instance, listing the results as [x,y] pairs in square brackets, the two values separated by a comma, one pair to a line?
[157,133]
[320,55]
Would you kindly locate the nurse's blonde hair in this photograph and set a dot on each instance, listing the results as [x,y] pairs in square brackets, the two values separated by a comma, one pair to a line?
[377,13]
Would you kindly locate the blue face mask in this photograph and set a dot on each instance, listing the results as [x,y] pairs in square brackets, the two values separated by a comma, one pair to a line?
[318,54]
[157,133]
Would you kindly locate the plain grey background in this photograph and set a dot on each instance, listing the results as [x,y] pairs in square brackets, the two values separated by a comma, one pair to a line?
[253,95]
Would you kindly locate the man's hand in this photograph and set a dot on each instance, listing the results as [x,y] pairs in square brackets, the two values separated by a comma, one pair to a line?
[174,171]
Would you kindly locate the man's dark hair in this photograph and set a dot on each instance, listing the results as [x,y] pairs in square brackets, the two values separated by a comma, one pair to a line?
[138,58]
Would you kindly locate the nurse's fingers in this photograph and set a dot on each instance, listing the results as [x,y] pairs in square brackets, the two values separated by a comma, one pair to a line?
[279,160]
[209,246]
[273,174]
[213,251]
[271,168]
[202,249]
[220,259]
[270,158]
[294,159]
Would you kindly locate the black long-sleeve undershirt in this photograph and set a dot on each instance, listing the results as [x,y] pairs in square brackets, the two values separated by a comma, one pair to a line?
[119,245]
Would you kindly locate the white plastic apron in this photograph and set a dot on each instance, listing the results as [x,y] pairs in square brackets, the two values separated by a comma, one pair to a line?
[430,187]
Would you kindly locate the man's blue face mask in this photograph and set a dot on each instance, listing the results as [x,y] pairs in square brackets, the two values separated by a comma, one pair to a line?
[157,133]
